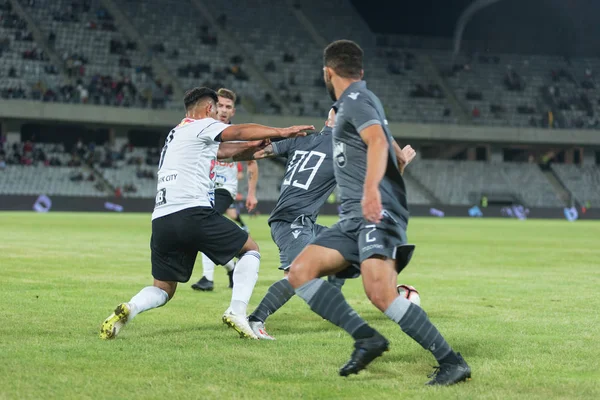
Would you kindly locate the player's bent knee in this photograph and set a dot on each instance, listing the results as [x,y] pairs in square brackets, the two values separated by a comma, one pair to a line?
[299,273]
[250,245]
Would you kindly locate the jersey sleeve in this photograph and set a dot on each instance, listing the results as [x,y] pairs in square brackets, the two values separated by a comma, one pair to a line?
[361,113]
[213,130]
[283,147]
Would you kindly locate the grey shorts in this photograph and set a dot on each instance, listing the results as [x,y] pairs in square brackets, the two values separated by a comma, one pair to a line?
[292,238]
[358,240]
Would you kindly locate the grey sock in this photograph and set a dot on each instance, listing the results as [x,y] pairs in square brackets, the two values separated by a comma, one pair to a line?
[416,324]
[337,282]
[277,295]
[328,301]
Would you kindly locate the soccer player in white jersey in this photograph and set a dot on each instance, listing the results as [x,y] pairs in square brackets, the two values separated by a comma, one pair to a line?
[184,221]
[226,183]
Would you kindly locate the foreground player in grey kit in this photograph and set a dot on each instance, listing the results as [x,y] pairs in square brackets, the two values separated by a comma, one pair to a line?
[308,182]
[370,238]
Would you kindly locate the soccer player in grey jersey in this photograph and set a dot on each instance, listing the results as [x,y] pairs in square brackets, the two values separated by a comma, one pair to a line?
[309,180]
[370,238]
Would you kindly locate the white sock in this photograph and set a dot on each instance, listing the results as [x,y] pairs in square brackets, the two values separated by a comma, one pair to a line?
[245,276]
[208,268]
[148,298]
[230,265]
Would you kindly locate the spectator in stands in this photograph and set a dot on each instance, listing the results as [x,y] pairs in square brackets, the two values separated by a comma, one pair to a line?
[2,163]
[289,58]
[76,177]
[222,20]
[83,93]
[512,80]
[473,95]
[12,72]
[533,122]
[550,119]
[497,109]
[270,66]
[476,113]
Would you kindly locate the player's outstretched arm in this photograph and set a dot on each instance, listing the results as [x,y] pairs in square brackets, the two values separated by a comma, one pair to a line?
[377,158]
[259,132]
[231,150]
[256,153]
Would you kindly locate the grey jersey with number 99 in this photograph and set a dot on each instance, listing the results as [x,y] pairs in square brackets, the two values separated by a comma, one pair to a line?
[309,178]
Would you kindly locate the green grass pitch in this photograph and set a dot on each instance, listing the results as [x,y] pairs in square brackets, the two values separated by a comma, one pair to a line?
[519,299]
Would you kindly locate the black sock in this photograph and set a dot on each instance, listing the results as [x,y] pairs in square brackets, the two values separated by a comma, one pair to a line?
[363,332]
[328,301]
[277,295]
[451,358]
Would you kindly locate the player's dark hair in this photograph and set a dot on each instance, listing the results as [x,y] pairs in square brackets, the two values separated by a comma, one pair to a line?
[197,94]
[228,94]
[345,57]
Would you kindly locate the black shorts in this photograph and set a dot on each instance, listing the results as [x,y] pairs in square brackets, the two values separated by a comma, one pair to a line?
[358,240]
[223,200]
[177,238]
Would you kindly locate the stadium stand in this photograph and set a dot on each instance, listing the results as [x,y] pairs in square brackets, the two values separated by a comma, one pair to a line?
[582,181]
[35,180]
[191,50]
[22,64]
[464,182]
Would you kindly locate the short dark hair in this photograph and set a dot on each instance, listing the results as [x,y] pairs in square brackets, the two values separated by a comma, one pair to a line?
[228,94]
[345,57]
[197,94]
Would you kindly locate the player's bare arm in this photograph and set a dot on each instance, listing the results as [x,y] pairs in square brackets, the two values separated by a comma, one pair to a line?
[230,150]
[256,153]
[377,158]
[260,132]
[251,200]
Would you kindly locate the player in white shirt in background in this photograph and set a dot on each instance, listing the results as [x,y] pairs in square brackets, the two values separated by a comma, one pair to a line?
[184,221]
[226,183]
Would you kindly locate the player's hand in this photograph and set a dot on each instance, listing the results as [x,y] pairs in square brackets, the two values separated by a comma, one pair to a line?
[297,130]
[371,205]
[255,143]
[251,202]
[408,154]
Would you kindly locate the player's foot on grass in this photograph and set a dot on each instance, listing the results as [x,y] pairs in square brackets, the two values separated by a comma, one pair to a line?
[112,325]
[259,330]
[204,285]
[230,275]
[365,351]
[449,374]
[239,323]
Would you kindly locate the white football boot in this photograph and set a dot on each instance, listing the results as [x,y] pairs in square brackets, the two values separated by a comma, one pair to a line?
[259,330]
[239,323]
